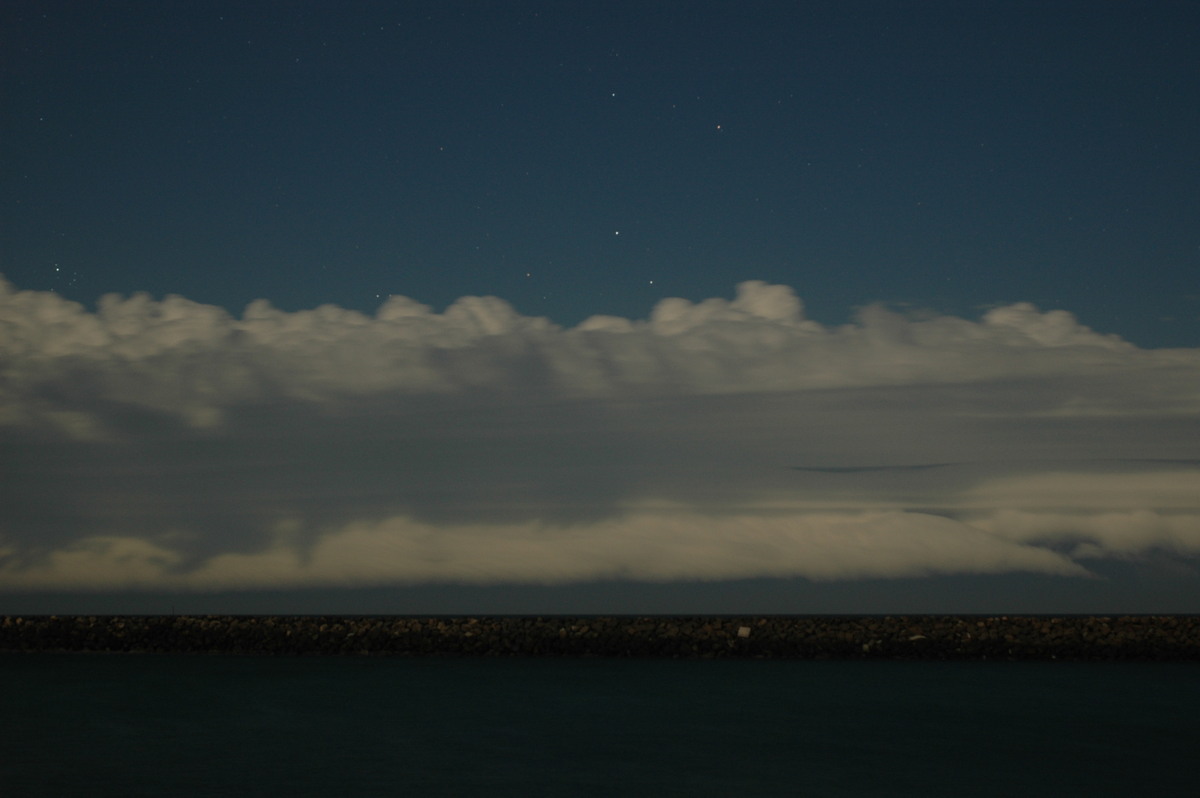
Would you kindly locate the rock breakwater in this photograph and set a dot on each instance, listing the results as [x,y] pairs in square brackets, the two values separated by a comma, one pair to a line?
[912,637]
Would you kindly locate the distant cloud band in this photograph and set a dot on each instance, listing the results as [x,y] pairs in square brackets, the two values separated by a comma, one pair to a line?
[168,444]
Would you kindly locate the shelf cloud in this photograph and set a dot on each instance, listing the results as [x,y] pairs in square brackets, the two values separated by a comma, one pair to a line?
[170,444]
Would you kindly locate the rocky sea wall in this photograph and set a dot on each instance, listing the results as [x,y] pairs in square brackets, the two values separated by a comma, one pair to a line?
[910,637]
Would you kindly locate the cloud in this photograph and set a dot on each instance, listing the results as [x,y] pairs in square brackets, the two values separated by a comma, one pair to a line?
[189,360]
[170,443]
[657,544]
[1118,534]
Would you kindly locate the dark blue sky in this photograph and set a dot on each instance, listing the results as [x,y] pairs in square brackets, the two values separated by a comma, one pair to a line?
[583,158]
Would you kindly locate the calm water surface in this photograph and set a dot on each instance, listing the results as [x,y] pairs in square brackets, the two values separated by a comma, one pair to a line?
[132,725]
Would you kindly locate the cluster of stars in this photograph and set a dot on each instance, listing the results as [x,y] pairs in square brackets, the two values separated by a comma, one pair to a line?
[71,277]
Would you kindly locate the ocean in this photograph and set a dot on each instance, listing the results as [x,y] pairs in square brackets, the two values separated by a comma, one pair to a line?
[173,725]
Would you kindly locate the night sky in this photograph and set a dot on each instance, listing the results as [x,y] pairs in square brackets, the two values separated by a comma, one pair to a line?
[582,158]
[567,306]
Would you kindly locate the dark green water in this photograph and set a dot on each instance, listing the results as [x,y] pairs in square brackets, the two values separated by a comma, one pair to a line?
[132,725]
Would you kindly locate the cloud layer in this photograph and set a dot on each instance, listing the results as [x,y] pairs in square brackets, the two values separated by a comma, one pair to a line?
[171,444]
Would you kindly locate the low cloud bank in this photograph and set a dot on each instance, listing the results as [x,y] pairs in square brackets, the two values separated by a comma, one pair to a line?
[193,361]
[168,444]
[653,545]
